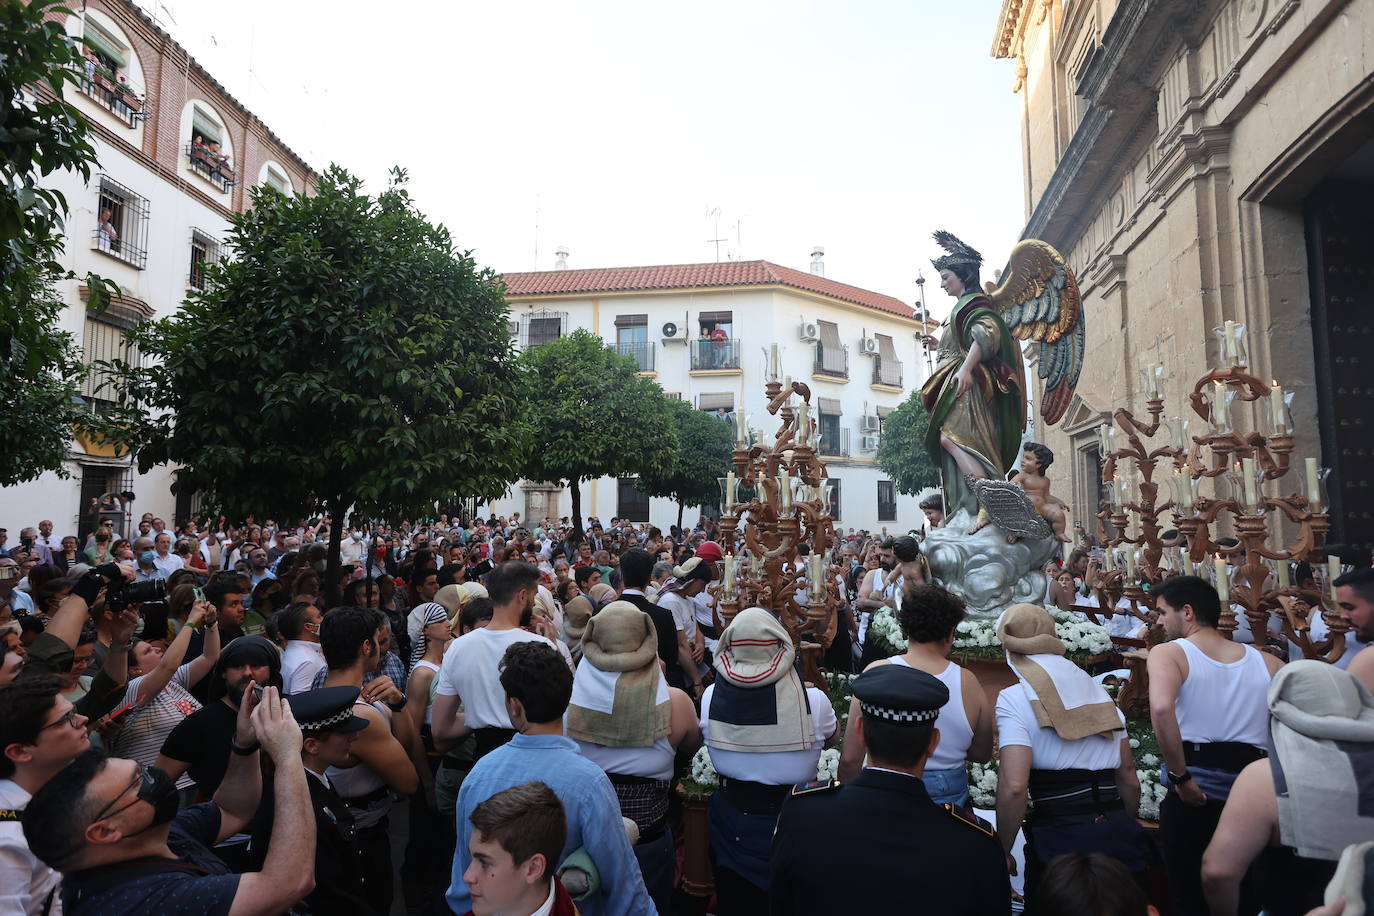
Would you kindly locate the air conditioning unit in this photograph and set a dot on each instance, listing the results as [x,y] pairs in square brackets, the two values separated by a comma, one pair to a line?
[868,443]
[869,424]
[673,331]
[869,346]
[810,331]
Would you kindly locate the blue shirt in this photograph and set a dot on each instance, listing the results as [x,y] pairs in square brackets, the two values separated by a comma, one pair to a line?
[196,883]
[593,812]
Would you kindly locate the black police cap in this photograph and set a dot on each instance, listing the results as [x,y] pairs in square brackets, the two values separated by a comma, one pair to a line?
[327,709]
[900,695]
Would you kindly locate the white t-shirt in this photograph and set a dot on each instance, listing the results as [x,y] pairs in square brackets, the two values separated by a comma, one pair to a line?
[1016,726]
[683,610]
[26,880]
[472,670]
[778,768]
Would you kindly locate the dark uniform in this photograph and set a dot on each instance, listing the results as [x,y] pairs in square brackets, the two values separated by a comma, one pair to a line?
[915,855]
[338,869]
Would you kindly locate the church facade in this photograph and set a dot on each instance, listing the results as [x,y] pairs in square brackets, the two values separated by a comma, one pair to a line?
[1198,162]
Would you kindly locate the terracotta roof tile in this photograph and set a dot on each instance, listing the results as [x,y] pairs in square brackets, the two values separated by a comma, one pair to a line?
[691,276]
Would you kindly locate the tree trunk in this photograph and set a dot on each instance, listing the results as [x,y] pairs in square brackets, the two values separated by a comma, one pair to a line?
[576,488]
[680,506]
[331,569]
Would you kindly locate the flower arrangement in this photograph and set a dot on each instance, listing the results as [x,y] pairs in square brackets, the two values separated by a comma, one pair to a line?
[982,785]
[704,780]
[838,688]
[978,638]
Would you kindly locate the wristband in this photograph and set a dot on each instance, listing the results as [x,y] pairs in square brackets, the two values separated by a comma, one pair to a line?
[397,707]
[1180,778]
[236,748]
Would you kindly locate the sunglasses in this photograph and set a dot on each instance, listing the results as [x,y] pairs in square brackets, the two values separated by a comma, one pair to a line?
[143,779]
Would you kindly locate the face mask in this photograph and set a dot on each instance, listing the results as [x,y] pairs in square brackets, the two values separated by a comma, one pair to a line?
[357,536]
[149,557]
[159,790]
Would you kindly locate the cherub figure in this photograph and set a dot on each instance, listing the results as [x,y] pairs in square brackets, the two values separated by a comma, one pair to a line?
[1035,461]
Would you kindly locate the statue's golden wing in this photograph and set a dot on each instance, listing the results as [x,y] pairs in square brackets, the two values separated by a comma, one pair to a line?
[1038,299]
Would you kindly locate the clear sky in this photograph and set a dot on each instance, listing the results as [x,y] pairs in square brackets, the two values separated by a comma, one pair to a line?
[615,128]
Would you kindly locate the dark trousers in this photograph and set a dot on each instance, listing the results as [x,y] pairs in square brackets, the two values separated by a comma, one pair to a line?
[374,854]
[736,895]
[657,864]
[1184,832]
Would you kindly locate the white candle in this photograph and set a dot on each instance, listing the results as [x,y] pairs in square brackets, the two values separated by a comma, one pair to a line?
[1180,426]
[1102,441]
[728,586]
[787,386]
[1151,381]
[1247,473]
[773,362]
[1221,421]
[1282,567]
[785,491]
[1314,490]
[729,491]
[1229,342]
[803,416]
[1223,584]
[742,422]
[1333,572]
[1276,405]
[1111,558]
[1187,489]
[1130,565]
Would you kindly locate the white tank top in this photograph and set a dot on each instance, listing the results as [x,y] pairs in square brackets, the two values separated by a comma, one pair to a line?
[433,686]
[1224,702]
[955,732]
[653,762]
[361,779]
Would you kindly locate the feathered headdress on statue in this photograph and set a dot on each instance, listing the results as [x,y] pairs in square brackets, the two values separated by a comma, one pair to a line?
[959,253]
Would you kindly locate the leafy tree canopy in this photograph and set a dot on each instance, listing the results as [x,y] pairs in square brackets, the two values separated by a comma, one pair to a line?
[346,357]
[591,415]
[902,451]
[706,453]
[38,136]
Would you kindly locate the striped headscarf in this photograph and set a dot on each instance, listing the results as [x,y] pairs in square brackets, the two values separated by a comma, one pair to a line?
[422,616]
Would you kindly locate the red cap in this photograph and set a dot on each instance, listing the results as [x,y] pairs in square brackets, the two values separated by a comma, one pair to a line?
[710,552]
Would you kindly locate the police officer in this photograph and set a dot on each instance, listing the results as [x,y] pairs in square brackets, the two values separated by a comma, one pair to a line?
[917,855]
[328,727]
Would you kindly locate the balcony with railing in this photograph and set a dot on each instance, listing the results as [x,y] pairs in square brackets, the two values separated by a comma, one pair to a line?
[112,92]
[715,355]
[834,441]
[887,372]
[211,164]
[831,361]
[642,351]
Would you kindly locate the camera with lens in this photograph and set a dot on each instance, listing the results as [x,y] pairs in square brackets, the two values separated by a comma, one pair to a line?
[120,595]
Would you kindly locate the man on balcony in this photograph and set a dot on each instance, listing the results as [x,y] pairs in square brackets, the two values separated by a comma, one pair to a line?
[719,351]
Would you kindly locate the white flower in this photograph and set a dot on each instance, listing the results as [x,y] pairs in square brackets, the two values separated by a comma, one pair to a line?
[828,765]
[703,771]
[1135,742]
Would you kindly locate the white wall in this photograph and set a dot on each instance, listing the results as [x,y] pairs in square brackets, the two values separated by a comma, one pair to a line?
[760,317]
[162,284]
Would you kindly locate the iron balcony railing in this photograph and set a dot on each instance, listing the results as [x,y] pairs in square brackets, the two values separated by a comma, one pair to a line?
[887,372]
[832,361]
[216,169]
[715,354]
[642,351]
[834,442]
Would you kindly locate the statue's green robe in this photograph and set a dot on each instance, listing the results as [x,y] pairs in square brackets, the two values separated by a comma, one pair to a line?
[987,422]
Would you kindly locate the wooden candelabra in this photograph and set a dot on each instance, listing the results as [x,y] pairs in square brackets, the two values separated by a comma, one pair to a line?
[790,506]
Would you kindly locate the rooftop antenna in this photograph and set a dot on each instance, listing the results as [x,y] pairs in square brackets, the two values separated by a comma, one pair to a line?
[714,213]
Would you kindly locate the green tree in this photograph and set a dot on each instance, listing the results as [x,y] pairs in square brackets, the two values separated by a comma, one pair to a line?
[706,453]
[902,450]
[347,357]
[590,415]
[41,364]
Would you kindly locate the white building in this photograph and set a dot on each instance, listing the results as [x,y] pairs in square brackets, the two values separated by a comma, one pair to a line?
[859,351]
[167,202]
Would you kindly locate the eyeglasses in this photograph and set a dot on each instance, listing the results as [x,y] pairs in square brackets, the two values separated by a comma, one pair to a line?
[144,776]
[68,719]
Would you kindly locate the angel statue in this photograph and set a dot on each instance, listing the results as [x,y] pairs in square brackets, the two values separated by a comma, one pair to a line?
[994,545]
[976,397]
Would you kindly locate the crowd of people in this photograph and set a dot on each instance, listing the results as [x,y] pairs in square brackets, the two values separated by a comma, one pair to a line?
[213,719]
